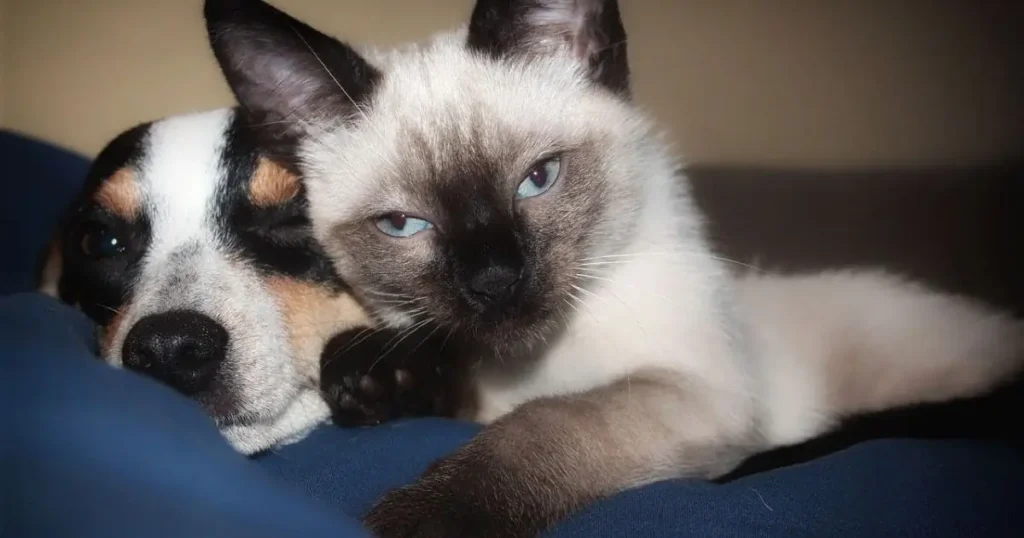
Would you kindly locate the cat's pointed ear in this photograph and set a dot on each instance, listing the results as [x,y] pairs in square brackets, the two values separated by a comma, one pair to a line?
[283,72]
[590,29]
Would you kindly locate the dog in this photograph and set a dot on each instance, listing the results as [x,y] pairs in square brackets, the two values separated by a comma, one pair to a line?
[190,248]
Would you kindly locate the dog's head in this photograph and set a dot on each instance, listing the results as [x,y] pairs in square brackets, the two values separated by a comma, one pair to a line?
[192,251]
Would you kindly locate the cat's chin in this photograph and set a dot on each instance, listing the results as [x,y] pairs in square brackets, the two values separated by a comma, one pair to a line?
[511,342]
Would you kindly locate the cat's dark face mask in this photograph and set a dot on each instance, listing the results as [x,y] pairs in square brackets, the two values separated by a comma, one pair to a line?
[497,257]
[510,256]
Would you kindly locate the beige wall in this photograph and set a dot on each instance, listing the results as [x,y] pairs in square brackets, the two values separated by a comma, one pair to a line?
[795,82]
[3,63]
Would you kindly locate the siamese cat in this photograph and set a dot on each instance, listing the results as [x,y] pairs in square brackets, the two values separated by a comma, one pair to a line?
[500,182]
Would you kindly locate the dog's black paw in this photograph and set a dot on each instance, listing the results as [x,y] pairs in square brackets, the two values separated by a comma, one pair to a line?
[372,376]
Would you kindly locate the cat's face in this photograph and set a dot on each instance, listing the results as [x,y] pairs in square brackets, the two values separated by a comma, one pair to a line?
[473,198]
[469,180]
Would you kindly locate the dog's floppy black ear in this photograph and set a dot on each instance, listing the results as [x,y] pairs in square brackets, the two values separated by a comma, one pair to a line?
[285,74]
[591,30]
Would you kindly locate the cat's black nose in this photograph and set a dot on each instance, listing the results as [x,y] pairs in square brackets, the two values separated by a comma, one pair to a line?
[181,348]
[495,286]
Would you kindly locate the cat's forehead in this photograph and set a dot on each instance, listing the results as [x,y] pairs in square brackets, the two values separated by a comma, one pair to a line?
[442,113]
[465,93]
[439,100]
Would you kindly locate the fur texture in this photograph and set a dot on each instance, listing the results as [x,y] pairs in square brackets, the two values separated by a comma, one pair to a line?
[190,248]
[626,351]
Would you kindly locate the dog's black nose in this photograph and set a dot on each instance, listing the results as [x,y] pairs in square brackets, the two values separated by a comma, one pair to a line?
[495,285]
[180,348]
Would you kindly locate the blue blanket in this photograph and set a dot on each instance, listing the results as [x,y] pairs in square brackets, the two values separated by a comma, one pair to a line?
[93,451]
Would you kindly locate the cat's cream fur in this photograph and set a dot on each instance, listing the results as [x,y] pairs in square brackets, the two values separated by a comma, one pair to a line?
[667,361]
[790,353]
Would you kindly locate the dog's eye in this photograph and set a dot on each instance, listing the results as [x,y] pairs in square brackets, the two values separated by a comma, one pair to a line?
[291,222]
[101,242]
[283,226]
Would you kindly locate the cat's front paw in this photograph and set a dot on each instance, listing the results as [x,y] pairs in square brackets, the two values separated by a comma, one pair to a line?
[371,377]
[455,498]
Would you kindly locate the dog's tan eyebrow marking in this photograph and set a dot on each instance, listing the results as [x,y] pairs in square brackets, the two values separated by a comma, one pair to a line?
[120,195]
[272,185]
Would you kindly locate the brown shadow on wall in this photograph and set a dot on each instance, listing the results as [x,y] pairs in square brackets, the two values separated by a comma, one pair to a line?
[959,229]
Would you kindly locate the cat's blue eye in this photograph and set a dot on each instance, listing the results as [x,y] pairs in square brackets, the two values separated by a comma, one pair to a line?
[401,225]
[541,177]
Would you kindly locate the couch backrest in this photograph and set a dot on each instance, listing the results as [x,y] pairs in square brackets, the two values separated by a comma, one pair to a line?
[961,230]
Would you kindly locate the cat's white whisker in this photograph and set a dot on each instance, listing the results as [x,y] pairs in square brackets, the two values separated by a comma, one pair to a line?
[389,347]
[398,303]
[736,262]
[625,305]
[682,264]
[370,291]
[360,337]
[414,312]
[312,131]
[583,303]
[109,308]
[425,338]
[359,109]
[576,300]
[631,256]
[451,331]
[591,274]
[570,303]
[586,291]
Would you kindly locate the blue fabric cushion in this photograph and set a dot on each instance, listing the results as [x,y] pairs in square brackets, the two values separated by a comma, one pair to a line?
[89,451]
[94,451]
[40,181]
[101,452]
